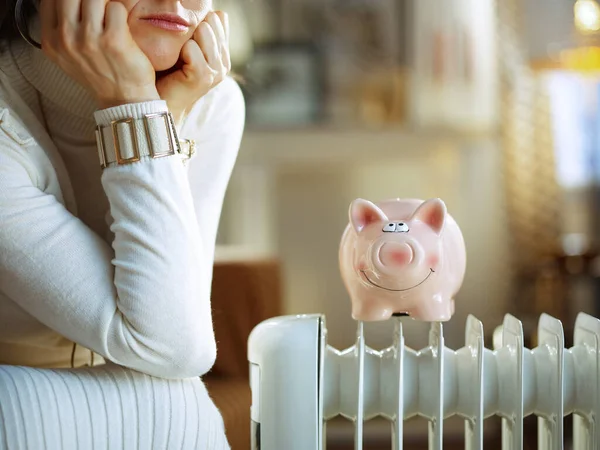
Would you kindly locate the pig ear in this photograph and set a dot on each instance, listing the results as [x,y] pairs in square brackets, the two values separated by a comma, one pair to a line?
[363,213]
[433,213]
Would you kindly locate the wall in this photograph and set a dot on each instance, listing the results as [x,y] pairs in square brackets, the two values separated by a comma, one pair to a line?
[290,195]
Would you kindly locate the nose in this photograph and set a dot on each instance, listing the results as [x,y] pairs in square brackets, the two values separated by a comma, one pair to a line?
[396,255]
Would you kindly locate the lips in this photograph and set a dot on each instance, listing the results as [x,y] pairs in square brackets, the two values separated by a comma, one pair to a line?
[168,17]
[168,22]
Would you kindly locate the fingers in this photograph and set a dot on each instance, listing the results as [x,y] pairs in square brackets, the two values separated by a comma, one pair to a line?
[208,43]
[92,17]
[225,21]
[192,56]
[67,14]
[221,24]
[63,21]
[212,37]
[217,26]
[48,18]
[115,20]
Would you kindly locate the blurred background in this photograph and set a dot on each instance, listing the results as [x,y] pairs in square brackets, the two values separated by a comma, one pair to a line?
[491,105]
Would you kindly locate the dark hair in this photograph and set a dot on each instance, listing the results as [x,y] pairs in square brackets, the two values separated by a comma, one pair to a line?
[15,27]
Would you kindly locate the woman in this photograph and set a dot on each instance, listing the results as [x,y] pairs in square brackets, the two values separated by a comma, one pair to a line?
[108,219]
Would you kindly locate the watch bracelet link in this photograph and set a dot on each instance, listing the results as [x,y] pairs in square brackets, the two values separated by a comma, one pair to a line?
[127,140]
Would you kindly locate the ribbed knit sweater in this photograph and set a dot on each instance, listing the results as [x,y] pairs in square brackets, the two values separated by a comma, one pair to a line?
[118,261]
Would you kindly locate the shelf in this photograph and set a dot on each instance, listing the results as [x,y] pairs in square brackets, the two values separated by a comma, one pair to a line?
[235,253]
[330,145]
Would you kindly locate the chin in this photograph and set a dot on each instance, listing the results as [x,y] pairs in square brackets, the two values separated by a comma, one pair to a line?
[163,52]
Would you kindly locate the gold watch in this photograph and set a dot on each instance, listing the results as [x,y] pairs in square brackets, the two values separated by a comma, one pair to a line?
[127,140]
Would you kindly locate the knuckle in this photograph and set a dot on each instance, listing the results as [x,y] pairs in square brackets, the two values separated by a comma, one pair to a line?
[205,79]
[47,45]
[88,46]
[219,78]
[116,7]
[216,75]
[89,41]
[64,37]
[110,5]
[111,43]
[88,31]
[205,72]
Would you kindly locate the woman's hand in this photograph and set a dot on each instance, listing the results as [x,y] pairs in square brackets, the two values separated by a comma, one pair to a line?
[97,50]
[203,63]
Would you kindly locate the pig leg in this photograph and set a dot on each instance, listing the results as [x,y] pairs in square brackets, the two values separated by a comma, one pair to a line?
[438,309]
[370,309]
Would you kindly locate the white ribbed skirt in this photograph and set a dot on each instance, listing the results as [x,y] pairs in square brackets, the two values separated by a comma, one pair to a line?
[105,407]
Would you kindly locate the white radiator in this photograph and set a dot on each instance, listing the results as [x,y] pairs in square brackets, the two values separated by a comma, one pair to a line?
[299,382]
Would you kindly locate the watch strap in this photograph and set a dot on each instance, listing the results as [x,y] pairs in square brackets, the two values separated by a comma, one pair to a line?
[128,140]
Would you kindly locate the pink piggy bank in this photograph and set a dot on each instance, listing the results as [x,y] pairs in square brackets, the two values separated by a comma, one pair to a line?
[402,257]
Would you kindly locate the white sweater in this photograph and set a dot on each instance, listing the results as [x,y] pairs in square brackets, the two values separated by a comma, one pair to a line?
[105,407]
[138,293]
[118,261]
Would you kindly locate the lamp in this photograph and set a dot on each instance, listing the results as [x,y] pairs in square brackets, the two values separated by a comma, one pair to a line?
[587,16]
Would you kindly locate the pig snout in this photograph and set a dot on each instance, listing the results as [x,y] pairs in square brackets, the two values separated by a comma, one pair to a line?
[396,255]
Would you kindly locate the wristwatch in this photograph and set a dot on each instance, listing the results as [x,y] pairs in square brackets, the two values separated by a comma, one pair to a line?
[127,140]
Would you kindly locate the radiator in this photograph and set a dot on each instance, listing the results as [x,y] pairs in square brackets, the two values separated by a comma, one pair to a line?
[299,382]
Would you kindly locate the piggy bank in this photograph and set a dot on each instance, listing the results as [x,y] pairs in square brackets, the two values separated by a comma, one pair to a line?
[402,257]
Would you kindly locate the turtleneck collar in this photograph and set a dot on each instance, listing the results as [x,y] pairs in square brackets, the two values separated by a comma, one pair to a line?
[52,82]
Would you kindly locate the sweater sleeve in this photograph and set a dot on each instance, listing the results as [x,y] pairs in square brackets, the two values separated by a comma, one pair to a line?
[217,126]
[143,304]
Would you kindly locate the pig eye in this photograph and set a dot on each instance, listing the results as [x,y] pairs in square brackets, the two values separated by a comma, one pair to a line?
[402,227]
[389,228]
